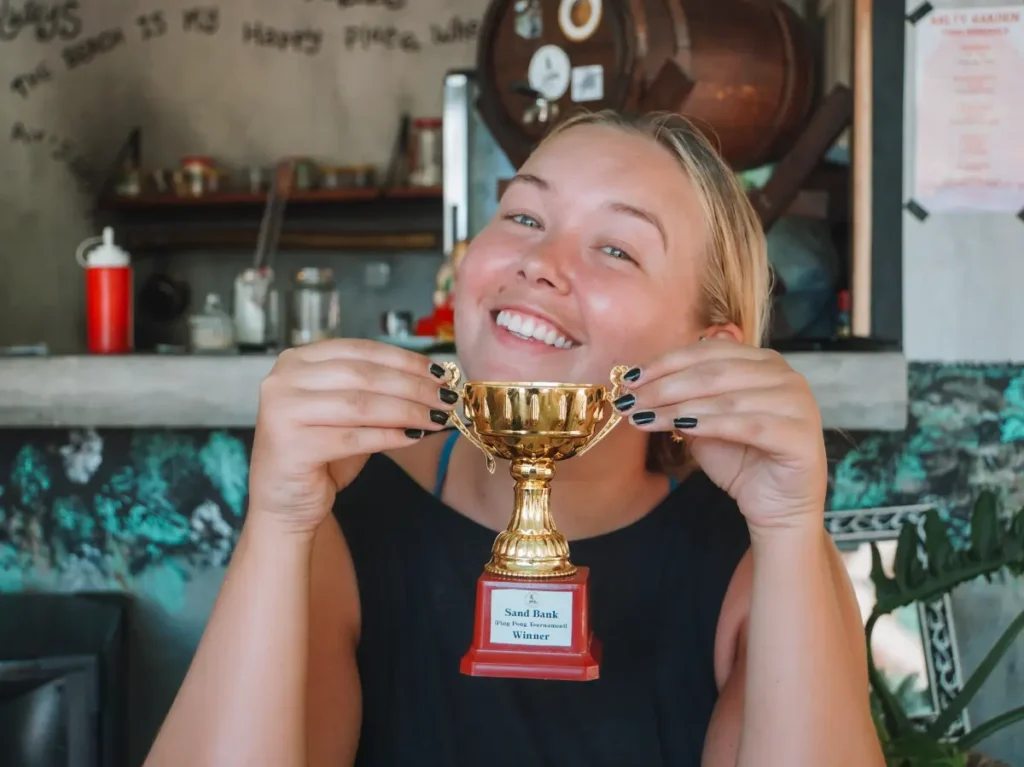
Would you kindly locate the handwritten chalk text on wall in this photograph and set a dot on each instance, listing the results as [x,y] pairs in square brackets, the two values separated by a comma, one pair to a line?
[48,20]
[369,36]
[61,150]
[25,83]
[308,41]
[92,48]
[152,24]
[457,30]
[205,20]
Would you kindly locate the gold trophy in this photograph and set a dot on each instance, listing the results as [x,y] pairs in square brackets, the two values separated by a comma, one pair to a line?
[532,604]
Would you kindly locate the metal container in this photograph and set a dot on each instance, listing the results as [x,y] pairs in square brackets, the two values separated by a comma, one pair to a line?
[256,315]
[396,324]
[426,152]
[315,306]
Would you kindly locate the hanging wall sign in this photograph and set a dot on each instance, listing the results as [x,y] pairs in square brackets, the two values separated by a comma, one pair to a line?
[587,83]
[529,22]
[579,18]
[549,72]
[969,110]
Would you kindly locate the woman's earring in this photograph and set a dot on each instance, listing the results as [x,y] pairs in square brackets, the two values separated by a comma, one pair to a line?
[703,338]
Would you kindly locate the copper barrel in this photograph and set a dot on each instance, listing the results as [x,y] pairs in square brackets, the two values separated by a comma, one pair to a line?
[743,70]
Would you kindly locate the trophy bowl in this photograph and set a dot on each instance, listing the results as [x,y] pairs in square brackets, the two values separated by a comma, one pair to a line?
[533,425]
[534,420]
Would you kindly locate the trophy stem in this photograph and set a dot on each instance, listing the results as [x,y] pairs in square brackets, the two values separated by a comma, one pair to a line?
[531,546]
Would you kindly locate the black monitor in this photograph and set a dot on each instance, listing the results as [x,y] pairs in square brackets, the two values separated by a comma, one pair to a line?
[49,711]
[62,680]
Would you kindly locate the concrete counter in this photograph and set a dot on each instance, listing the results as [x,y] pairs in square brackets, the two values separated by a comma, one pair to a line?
[854,390]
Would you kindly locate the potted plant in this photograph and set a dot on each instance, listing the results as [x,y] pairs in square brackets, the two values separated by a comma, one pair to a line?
[995,546]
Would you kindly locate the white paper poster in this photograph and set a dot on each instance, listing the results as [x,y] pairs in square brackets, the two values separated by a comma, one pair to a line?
[969,81]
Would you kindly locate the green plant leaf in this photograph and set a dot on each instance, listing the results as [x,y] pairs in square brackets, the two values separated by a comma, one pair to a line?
[1015,544]
[985,528]
[885,587]
[906,558]
[915,749]
[992,726]
[948,715]
[893,716]
[1018,525]
[878,717]
[940,552]
[994,546]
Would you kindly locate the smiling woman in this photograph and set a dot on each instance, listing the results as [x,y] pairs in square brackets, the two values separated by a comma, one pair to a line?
[683,248]
[731,633]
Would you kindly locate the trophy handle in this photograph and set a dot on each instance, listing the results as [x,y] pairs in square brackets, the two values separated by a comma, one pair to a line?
[613,418]
[453,380]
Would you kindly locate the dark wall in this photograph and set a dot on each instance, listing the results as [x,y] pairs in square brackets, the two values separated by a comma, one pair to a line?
[887,171]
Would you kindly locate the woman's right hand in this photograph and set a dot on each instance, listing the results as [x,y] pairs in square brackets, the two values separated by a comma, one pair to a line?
[323,410]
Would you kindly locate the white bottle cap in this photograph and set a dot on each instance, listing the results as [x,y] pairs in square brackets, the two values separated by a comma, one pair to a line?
[101,252]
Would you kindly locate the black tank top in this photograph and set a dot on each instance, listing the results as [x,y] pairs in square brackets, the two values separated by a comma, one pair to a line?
[656,590]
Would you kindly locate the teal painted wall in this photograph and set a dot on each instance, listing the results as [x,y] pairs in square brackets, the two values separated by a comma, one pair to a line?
[156,513]
[132,510]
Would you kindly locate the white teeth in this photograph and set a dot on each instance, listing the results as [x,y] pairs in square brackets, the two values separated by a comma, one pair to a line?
[533,329]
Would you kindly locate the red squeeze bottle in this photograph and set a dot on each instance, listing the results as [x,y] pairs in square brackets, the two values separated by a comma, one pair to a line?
[109,290]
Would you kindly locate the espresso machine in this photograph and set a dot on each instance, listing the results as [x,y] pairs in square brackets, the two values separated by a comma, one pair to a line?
[473,164]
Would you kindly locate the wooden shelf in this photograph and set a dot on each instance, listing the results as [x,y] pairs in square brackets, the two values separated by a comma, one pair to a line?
[350,218]
[334,220]
[167,240]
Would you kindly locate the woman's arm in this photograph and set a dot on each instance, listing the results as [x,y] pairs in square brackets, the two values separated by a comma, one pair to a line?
[288,602]
[791,661]
[274,681]
[799,696]
[333,694]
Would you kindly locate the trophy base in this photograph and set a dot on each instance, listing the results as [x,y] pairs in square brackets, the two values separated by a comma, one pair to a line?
[533,629]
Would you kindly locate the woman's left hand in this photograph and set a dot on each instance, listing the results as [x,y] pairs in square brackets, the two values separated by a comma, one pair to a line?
[750,421]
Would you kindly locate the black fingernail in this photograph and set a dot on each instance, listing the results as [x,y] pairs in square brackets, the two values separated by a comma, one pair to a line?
[439,417]
[436,370]
[448,396]
[625,402]
[684,423]
[414,433]
[643,417]
[632,374]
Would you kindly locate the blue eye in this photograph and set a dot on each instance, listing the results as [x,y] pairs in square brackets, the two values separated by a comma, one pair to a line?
[614,252]
[525,220]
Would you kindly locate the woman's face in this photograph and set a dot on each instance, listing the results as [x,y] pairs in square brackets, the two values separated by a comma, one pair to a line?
[592,260]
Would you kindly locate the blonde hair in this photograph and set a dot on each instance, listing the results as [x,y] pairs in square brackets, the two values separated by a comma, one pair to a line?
[736,284]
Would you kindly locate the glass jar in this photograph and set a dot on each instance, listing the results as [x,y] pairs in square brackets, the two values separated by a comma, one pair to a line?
[316,306]
[200,175]
[212,329]
[426,152]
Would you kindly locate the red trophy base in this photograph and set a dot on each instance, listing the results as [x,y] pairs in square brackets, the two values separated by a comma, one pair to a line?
[533,629]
